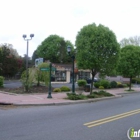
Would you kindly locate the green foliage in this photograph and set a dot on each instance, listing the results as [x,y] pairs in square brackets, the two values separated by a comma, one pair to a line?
[99,43]
[1,81]
[65,88]
[120,85]
[54,48]
[136,80]
[105,83]
[101,87]
[27,83]
[113,84]
[57,90]
[97,84]
[129,65]
[72,96]
[81,83]
[99,94]
[104,93]
[10,62]
[42,75]
[125,85]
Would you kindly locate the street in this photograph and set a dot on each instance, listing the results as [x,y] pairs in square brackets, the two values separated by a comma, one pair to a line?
[69,122]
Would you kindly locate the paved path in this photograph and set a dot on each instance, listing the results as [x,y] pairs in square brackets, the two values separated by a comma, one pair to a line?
[57,98]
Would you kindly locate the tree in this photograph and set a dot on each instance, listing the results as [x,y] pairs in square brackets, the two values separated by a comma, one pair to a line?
[54,48]
[10,62]
[97,50]
[130,41]
[129,65]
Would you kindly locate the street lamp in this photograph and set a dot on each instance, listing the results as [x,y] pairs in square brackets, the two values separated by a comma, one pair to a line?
[27,39]
[73,58]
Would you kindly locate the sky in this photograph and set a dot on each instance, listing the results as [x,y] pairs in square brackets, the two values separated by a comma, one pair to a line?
[64,18]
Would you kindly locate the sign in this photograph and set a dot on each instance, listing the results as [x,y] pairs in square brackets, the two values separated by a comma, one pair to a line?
[38,61]
[48,69]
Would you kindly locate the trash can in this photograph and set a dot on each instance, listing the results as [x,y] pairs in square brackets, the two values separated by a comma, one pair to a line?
[87,88]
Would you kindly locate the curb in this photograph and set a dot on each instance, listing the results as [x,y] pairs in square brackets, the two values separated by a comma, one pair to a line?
[69,103]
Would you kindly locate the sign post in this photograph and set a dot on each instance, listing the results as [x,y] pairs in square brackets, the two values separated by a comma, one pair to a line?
[49,69]
[50,88]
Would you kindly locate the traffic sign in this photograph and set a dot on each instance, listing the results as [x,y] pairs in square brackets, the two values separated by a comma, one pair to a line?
[48,69]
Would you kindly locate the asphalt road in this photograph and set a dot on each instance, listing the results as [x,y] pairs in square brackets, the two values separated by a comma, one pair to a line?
[67,122]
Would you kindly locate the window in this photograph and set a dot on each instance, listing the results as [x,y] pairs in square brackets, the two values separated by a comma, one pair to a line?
[60,76]
[83,75]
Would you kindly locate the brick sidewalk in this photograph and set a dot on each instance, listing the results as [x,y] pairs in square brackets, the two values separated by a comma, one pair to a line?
[57,98]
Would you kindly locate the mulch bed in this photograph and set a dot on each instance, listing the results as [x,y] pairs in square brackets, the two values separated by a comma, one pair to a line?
[34,89]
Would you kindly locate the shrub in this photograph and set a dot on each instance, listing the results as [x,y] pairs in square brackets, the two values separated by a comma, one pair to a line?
[27,83]
[81,83]
[65,88]
[104,83]
[1,81]
[104,93]
[113,84]
[101,87]
[125,85]
[92,95]
[74,96]
[120,86]
[97,84]
[57,90]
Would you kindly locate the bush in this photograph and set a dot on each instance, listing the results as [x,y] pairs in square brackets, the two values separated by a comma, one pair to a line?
[97,84]
[125,85]
[1,81]
[74,96]
[113,84]
[104,93]
[105,83]
[81,83]
[65,88]
[57,90]
[120,86]
[101,87]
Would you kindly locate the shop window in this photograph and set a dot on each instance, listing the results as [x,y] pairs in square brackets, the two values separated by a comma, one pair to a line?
[60,76]
[83,75]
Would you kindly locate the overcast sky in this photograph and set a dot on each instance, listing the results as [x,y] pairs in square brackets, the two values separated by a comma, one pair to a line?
[64,18]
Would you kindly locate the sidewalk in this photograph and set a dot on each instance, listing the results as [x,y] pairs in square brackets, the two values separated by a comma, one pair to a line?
[57,98]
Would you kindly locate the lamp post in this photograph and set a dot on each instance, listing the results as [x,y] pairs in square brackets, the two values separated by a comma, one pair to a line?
[27,39]
[73,58]
[49,93]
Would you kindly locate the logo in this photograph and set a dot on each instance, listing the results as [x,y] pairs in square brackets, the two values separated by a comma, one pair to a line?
[131,133]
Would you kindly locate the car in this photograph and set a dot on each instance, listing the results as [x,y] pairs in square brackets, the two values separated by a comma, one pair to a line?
[89,80]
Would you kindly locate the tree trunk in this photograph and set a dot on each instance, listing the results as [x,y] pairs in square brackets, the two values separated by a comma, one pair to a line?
[130,83]
[92,79]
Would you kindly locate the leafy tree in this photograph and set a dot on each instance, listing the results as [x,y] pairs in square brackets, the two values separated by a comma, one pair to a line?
[54,48]
[10,62]
[129,65]
[130,41]
[97,50]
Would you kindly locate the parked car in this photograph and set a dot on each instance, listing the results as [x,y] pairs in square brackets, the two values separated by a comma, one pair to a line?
[89,80]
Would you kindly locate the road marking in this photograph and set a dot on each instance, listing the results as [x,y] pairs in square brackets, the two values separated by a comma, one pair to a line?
[112,118]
